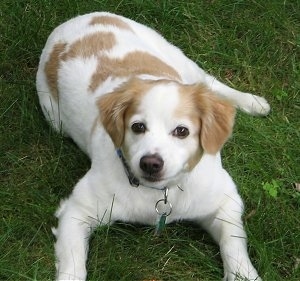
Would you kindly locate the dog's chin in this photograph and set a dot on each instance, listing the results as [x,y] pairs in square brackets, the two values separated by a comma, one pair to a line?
[158,182]
[152,178]
[152,181]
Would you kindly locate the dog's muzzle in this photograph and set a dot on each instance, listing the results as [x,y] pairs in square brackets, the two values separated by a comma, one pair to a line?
[152,166]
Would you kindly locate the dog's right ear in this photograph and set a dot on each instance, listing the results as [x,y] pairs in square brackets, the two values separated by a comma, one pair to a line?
[217,119]
[113,107]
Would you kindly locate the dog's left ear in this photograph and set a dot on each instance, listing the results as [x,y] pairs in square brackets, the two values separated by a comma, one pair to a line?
[217,120]
[113,108]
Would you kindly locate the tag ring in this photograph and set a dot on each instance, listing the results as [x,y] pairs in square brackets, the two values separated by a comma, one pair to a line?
[167,205]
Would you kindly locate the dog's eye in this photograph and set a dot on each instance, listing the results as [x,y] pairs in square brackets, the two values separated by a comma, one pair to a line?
[138,128]
[181,132]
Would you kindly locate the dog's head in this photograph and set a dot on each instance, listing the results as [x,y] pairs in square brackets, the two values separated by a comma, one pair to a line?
[164,127]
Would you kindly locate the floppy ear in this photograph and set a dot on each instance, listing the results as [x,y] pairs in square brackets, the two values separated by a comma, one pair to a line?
[217,119]
[113,108]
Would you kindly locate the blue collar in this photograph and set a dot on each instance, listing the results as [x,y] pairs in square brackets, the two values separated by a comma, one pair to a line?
[132,179]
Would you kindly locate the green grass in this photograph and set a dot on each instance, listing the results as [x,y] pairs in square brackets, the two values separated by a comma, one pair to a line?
[251,45]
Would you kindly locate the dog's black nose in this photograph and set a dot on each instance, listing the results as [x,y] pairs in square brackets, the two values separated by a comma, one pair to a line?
[151,164]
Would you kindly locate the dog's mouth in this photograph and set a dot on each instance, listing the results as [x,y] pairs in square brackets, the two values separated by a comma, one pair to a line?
[158,181]
[153,181]
[152,178]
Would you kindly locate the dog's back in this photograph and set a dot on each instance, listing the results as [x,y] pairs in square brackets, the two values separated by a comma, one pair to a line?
[91,55]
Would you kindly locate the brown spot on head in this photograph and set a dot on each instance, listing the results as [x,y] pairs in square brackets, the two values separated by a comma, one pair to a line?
[134,63]
[52,66]
[90,45]
[117,107]
[110,20]
[213,116]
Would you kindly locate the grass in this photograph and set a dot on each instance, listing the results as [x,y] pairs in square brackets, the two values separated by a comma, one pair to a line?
[251,45]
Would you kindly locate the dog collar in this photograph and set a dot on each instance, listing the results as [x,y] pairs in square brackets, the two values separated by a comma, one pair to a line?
[131,178]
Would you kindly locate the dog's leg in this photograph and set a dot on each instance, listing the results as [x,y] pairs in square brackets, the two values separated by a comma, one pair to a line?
[226,227]
[76,222]
[71,246]
[248,103]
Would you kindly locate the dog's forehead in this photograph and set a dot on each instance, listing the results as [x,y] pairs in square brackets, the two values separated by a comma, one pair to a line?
[160,101]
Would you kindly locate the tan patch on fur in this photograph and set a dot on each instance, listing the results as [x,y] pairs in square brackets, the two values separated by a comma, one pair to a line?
[217,125]
[132,64]
[214,116]
[51,68]
[109,20]
[117,107]
[90,45]
[135,63]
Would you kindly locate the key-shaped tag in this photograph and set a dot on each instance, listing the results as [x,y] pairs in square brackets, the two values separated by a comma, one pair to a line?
[163,208]
[160,225]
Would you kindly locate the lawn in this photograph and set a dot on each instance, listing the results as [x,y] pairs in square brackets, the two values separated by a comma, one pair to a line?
[251,45]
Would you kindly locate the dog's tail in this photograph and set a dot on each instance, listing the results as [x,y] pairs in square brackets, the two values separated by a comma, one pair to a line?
[251,104]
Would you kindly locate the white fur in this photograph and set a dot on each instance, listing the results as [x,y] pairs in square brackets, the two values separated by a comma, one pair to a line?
[104,195]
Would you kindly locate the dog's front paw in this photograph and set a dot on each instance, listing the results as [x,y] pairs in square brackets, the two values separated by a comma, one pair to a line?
[250,276]
[69,277]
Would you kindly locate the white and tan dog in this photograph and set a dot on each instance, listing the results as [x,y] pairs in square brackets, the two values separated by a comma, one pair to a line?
[146,115]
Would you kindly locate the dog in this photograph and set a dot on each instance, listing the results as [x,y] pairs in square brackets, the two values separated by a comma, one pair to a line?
[152,123]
